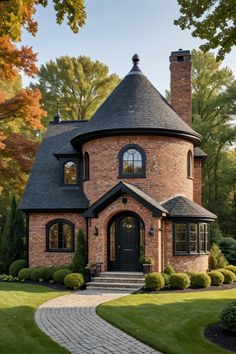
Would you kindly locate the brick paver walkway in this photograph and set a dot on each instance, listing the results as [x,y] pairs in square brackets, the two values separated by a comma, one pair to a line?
[71,321]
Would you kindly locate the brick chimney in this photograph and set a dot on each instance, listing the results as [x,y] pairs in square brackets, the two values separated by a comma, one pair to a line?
[180,84]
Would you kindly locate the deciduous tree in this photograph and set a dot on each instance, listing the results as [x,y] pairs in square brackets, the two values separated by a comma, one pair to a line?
[80,85]
[211,20]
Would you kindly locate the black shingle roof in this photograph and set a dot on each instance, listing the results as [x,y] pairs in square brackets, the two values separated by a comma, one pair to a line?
[43,190]
[199,153]
[135,105]
[182,207]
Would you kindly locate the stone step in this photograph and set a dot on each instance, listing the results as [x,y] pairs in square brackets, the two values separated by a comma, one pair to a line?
[97,284]
[119,280]
[138,275]
[116,290]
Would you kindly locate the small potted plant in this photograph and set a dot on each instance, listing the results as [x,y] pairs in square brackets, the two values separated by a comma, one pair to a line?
[92,266]
[147,263]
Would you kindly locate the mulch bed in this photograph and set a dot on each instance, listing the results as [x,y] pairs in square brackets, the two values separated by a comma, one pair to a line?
[168,290]
[219,336]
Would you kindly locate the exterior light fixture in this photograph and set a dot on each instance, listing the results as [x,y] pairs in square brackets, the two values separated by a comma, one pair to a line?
[151,231]
[95,231]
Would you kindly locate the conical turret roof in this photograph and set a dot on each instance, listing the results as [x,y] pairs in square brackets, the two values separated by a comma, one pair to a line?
[135,107]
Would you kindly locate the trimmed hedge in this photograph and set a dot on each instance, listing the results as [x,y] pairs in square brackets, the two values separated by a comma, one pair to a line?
[179,281]
[48,273]
[217,278]
[229,277]
[24,274]
[16,266]
[169,269]
[74,281]
[228,317]
[154,281]
[60,275]
[200,280]
[37,274]
[166,278]
[232,268]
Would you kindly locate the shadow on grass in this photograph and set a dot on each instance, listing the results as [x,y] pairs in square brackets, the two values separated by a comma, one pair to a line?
[31,287]
[174,326]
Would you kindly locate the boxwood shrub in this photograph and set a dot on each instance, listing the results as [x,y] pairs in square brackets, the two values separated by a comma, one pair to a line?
[200,280]
[166,278]
[74,281]
[217,278]
[229,277]
[16,266]
[231,267]
[179,281]
[24,274]
[48,273]
[60,275]
[169,269]
[37,274]
[228,317]
[154,281]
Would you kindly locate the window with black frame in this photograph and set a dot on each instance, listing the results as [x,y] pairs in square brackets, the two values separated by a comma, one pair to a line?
[70,173]
[190,238]
[60,236]
[132,162]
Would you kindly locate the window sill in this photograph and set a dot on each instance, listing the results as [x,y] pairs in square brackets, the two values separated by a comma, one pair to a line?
[131,176]
[59,251]
[189,177]
[191,254]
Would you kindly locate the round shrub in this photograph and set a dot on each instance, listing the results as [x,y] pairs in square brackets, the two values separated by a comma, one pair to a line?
[16,266]
[179,281]
[169,269]
[37,274]
[24,274]
[200,280]
[74,281]
[166,278]
[232,268]
[64,266]
[60,275]
[48,273]
[217,278]
[229,277]
[154,281]
[228,317]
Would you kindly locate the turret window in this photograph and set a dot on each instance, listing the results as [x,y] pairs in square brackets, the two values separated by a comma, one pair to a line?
[190,164]
[132,160]
[70,173]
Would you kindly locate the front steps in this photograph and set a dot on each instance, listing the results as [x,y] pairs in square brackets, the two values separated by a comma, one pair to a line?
[119,281]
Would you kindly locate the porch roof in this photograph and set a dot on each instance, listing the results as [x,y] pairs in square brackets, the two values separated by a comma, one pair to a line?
[121,189]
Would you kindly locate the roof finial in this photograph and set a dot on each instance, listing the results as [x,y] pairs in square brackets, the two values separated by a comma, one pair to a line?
[135,59]
[57,117]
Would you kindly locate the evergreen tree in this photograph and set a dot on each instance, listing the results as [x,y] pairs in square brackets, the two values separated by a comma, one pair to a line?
[12,243]
[79,259]
[216,258]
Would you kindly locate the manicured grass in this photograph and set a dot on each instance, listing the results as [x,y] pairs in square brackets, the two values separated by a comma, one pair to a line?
[170,322]
[19,333]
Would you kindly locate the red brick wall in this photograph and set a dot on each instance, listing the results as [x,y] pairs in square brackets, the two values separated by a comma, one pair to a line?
[197,183]
[181,89]
[197,263]
[98,244]
[166,166]
[37,238]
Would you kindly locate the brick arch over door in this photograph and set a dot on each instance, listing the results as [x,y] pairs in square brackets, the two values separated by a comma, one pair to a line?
[98,244]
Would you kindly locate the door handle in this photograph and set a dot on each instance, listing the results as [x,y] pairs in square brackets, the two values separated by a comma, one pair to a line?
[118,246]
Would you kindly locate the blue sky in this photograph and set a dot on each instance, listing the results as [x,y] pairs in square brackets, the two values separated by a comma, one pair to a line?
[114,31]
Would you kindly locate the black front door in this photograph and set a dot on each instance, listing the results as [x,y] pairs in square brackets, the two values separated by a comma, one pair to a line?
[124,243]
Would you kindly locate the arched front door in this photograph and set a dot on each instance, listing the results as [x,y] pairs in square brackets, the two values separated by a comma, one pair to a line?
[125,242]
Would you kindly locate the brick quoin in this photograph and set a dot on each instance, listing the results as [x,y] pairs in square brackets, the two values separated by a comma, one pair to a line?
[37,238]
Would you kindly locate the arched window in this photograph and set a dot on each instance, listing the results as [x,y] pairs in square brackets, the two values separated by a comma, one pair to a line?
[70,173]
[86,166]
[189,164]
[132,159]
[60,236]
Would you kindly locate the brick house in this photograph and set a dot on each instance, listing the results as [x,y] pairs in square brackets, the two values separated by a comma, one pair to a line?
[130,178]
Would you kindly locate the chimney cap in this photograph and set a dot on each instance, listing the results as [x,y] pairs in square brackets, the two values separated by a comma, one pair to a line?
[57,117]
[186,54]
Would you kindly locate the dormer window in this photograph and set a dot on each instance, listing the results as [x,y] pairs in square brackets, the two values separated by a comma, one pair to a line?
[132,159]
[70,173]
[190,164]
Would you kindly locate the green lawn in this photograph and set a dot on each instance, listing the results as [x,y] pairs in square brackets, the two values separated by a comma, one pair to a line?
[170,322]
[19,333]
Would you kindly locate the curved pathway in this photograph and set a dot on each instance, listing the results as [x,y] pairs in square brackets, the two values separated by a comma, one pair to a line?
[71,321]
